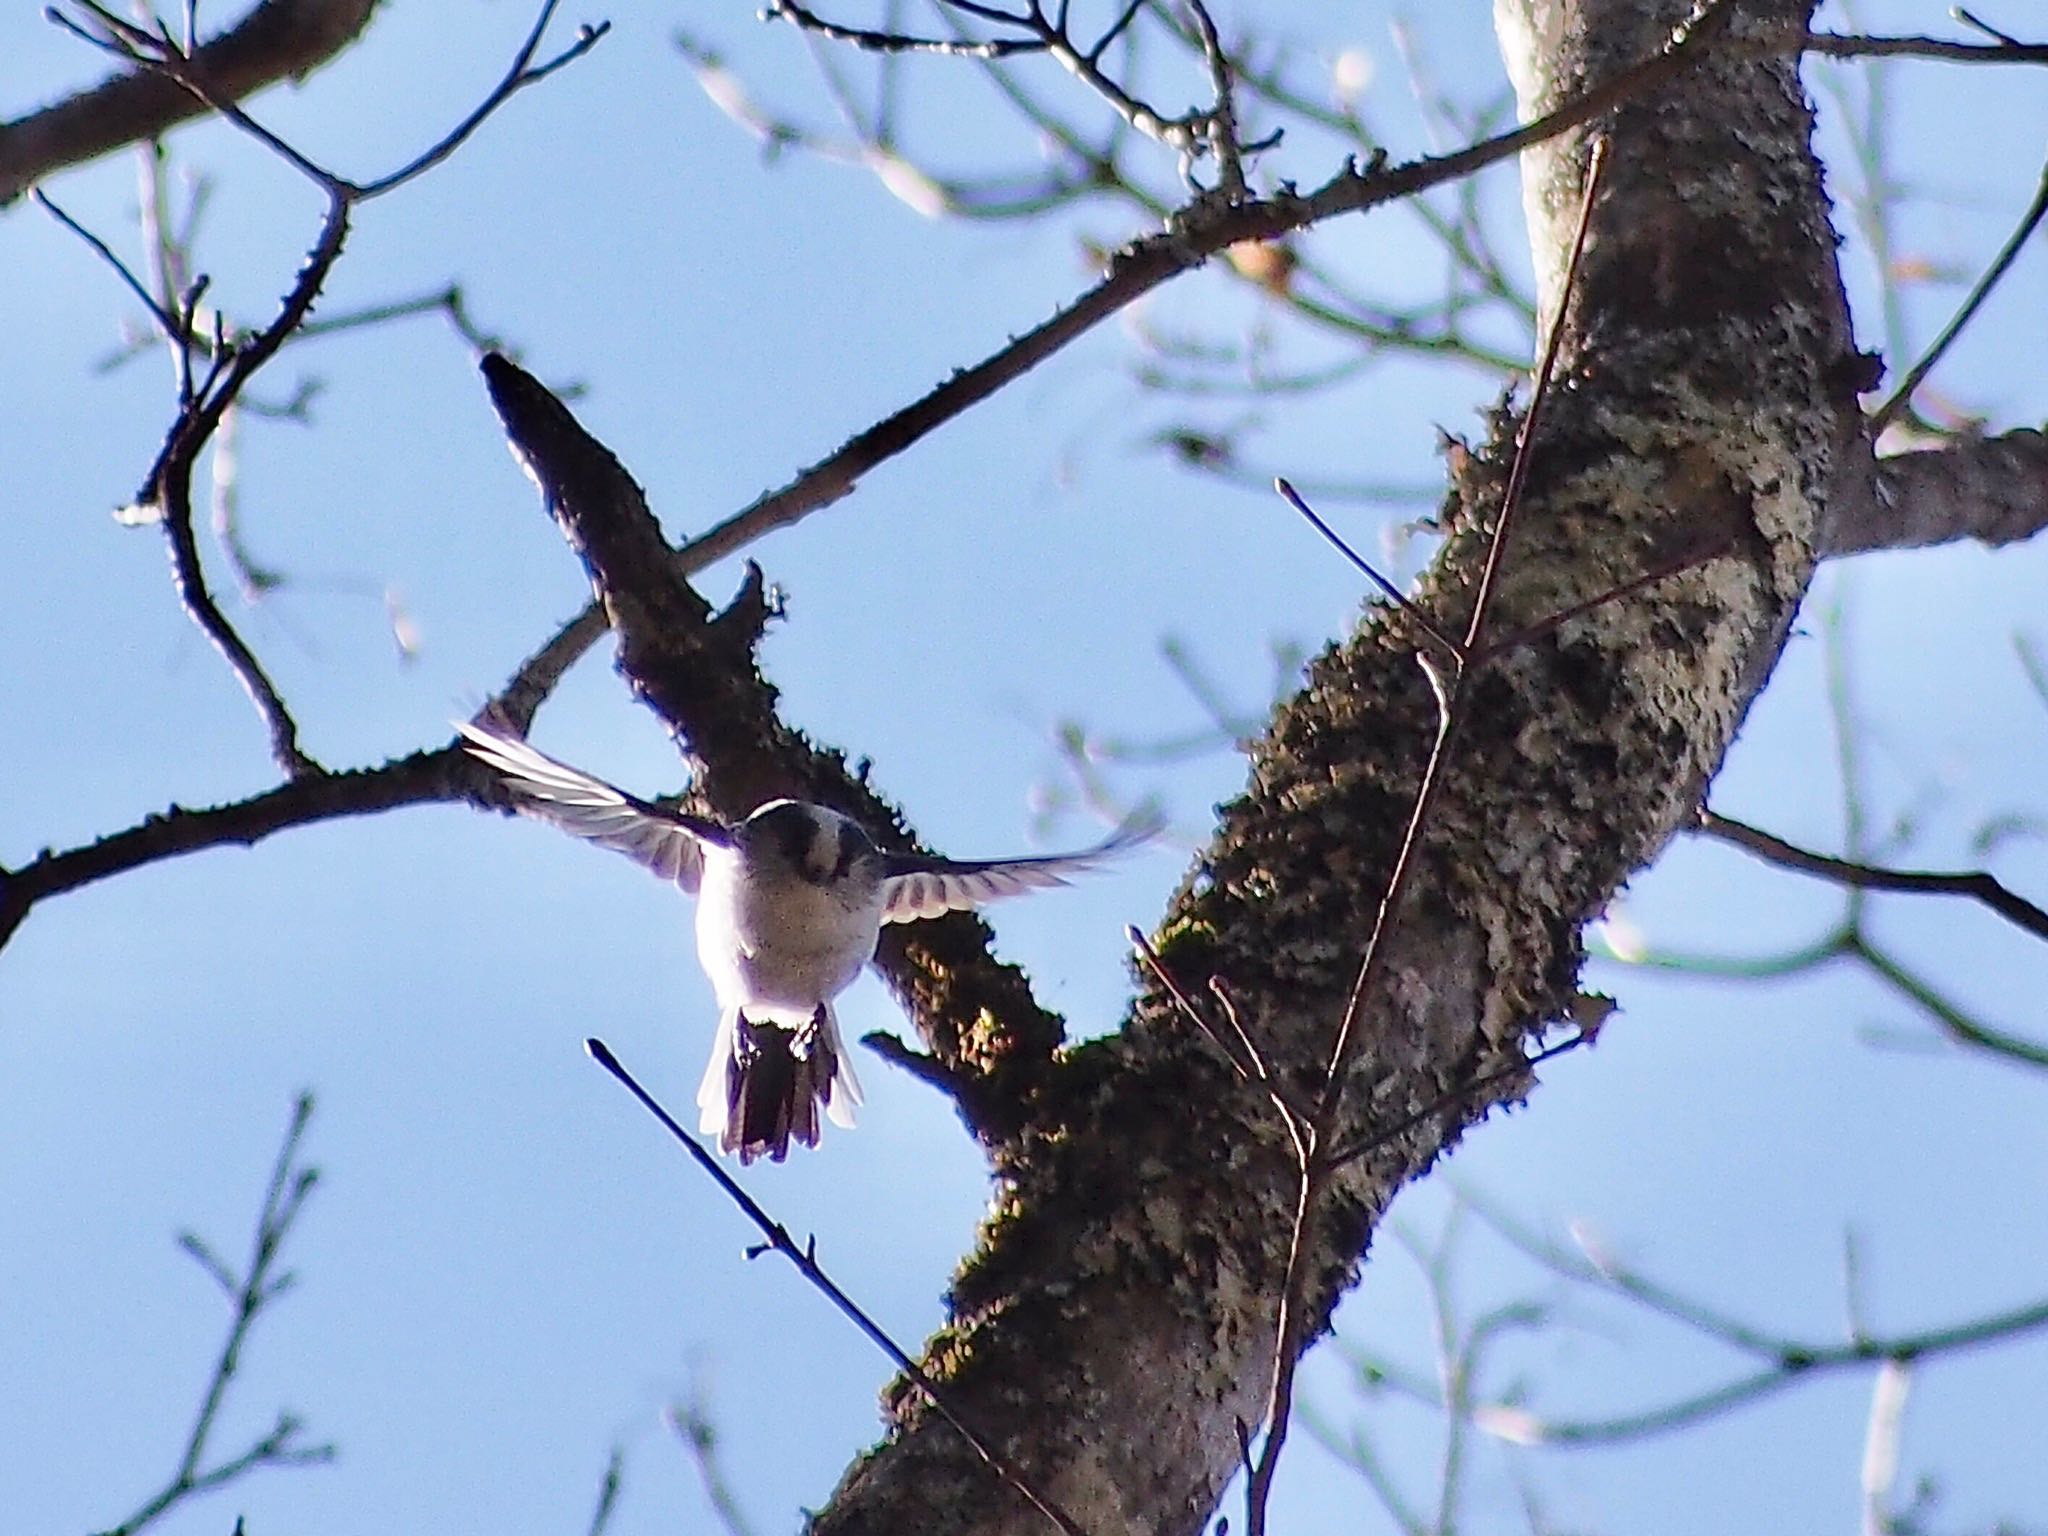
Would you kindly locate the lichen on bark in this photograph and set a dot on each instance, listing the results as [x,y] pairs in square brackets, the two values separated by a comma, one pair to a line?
[1115,1325]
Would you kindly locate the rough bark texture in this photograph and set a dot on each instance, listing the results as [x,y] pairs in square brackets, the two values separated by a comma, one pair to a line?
[1115,1325]
[1990,489]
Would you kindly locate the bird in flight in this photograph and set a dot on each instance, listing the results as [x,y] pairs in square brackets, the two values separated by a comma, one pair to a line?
[790,905]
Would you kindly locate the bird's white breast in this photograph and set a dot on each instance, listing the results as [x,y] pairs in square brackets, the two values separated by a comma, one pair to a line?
[777,945]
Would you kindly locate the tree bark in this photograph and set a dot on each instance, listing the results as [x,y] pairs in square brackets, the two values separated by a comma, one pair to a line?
[1114,1327]
[1990,489]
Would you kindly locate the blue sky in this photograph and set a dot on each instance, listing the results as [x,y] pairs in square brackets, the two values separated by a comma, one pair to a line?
[506,1271]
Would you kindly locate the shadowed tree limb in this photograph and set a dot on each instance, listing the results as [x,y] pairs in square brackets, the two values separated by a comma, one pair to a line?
[1993,490]
[276,40]
[1976,884]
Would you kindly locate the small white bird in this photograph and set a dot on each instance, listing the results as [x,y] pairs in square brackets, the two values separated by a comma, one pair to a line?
[790,906]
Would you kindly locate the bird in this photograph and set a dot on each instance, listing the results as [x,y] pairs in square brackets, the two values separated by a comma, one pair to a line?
[791,903]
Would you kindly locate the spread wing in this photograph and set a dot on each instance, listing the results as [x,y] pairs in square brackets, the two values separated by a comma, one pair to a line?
[920,886]
[667,842]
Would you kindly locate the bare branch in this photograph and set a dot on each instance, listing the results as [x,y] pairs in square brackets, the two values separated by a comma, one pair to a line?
[806,1262]
[1990,489]
[1451,650]
[1458,1094]
[1786,1359]
[521,73]
[285,1195]
[315,797]
[1837,45]
[897,42]
[1798,1361]
[608,1492]
[1977,884]
[158,51]
[276,40]
[170,325]
[1958,1025]
[1902,397]
[1221,128]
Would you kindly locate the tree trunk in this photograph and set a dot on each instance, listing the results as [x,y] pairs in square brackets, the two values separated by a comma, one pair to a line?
[1114,1329]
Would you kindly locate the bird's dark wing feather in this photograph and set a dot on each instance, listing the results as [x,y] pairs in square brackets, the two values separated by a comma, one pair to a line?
[667,842]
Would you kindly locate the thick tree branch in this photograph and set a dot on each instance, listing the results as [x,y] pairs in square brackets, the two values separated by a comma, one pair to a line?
[278,39]
[1991,489]
[1117,1319]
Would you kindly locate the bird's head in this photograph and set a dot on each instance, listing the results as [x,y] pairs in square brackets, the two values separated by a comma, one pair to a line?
[818,845]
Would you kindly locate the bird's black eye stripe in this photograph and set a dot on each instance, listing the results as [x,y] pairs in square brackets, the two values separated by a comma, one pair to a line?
[851,841]
[793,832]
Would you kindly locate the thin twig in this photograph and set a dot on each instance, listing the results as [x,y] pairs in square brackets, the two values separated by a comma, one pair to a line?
[250,1294]
[1978,885]
[165,322]
[805,1260]
[518,76]
[1955,1023]
[1515,639]
[1845,46]
[1902,397]
[1315,1169]
[1786,1359]
[168,487]
[1452,650]
[699,1435]
[159,51]
[1242,1053]
[1800,1361]
[608,1492]
[873,41]
[1372,1141]
[1224,142]
[1518,472]
[1971,19]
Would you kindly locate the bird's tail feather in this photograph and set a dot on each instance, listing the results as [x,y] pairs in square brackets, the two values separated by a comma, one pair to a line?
[766,1083]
